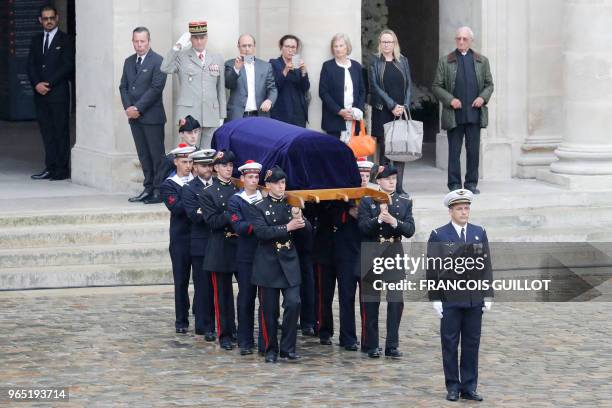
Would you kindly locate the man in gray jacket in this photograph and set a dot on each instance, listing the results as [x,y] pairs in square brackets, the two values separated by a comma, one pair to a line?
[250,81]
[201,80]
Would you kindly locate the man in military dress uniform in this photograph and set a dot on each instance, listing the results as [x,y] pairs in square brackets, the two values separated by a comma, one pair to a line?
[202,281]
[180,233]
[385,225]
[201,78]
[347,245]
[222,243]
[238,206]
[460,311]
[276,266]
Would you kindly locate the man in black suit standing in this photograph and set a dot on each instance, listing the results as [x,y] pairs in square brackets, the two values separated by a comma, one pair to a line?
[141,88]
[50,66]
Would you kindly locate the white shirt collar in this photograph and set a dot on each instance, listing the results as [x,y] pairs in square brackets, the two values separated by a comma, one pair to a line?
[51,35]
[458,229]
[250,199]
[181,181]
[205,182]
[142,57]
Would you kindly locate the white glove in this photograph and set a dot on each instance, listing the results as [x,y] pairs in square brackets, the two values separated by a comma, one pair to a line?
[488,304]
[183,42]
[221,121]
[357,113]
[437,306]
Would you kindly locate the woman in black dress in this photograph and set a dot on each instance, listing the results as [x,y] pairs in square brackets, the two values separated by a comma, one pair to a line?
[391,87]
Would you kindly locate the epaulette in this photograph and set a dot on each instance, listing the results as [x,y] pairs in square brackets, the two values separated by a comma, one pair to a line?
[435,231]
[405,197]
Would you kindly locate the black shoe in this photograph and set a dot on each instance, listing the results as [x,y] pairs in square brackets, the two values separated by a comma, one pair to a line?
[351,347]
[452,396]
[289,356]
[473,189]
[210,336]
[226,344]
[271,357]
[325,341]
[471,395]
[45,174]
[308,331]
[246,351]
[181,330]
[393,352]
[374,353]
[234,339]
[154,198]
[145,193]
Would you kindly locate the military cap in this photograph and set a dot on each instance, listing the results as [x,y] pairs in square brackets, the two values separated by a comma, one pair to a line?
[459,196]
[188,124]
[364,164]
[386,171]
[198,28]
[249,167]
[183,150]
[274,175]
[205,156]
[224,157]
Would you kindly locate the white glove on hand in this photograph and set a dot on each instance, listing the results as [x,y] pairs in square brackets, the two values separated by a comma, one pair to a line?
[183,42]
[357,113]
[221,122]
[487,306]
[437,306]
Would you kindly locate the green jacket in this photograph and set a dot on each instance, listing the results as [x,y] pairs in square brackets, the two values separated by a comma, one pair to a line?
[444,84]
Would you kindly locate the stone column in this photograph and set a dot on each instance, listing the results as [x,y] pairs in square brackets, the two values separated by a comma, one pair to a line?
[545,87]
[585,155]
[104,155]
[316,22]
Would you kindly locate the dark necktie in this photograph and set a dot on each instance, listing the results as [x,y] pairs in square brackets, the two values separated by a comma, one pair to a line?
[46,44]
[138,64]
[462,234]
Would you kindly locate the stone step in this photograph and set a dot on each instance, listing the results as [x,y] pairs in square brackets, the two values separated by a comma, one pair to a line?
[83,234]
[39,277]
[85,255]
[144,214]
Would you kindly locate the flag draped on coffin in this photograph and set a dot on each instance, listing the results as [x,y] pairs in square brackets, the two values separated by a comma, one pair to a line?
[312,160]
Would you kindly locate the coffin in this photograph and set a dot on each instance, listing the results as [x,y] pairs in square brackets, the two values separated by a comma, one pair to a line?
[318,166]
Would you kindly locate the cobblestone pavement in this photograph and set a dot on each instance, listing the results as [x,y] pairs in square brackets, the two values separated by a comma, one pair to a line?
[117,347]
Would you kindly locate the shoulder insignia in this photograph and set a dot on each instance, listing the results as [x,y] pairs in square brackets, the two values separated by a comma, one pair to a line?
[435,231]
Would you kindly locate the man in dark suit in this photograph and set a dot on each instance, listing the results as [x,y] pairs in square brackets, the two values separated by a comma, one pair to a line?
[50,65]
[142,84]
[460,310]
[250,81]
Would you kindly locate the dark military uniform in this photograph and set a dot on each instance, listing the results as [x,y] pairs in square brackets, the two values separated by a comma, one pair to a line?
[324,269]
[462,311]
[202,280]
[347,245]
[247,244]
[276,268]
[221,248]
[390,240]
[180,242]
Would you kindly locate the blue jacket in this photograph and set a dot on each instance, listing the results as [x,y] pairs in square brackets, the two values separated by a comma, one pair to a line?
[247,243]
[291,87]
[191,193]
[331,92]
[180,226]
[444,242]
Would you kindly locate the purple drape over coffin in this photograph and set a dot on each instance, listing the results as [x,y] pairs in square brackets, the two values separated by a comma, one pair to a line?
[312,160]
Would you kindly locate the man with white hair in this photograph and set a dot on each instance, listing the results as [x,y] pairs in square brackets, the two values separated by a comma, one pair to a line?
[463,84]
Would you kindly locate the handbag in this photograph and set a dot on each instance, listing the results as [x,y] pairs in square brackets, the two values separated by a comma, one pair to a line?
[361,144]
[403,139]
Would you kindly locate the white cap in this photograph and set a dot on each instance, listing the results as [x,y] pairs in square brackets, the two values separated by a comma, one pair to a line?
[183,150]
[364,165]
[205,156]
[250,166]
[458,196]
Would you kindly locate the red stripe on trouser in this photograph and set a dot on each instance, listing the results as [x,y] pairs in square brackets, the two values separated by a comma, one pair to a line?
[320,299]
[264,330]
[363,317]
[216,297]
